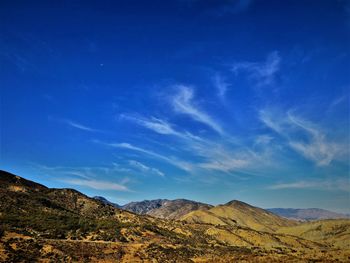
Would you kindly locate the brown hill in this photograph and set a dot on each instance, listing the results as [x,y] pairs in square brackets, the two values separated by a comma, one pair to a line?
[239,213]
[40,224]
[334,232]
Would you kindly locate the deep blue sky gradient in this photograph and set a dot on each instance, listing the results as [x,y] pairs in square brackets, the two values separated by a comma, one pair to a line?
[205,100]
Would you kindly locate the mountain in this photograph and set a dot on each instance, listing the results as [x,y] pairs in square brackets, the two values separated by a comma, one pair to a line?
[143,207]
[239,213]
[175,209]
[307,214]
[163,208]
[105,201]
[40,224]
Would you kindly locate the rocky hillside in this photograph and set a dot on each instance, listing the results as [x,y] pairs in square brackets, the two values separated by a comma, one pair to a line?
[239,213]
[144,207]
[307,214]
[39,224]
[175,209]
[163,208]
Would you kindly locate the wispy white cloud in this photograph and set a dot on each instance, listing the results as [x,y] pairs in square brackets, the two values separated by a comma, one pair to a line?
[230,164]
[210,155]
[159,126]
[229,159]
[183,103]
[97,184]
[86,176]
[134,148]
[78,172]
[304,137]
[86,172]
[77,125]
[221,85]
[264,73]
[318,148]
[186,166]
[119,168]
[145,168]
[263,139]
[273,119]
[230,155]
[338,185]
[80,126]
[155,124]
[337,102]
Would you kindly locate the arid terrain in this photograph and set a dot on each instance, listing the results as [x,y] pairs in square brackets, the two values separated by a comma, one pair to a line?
[39,224]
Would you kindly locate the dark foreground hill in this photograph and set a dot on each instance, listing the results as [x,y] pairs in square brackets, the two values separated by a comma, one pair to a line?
[39,224]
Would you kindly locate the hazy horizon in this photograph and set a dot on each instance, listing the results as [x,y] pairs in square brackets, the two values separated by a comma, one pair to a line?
[202,100]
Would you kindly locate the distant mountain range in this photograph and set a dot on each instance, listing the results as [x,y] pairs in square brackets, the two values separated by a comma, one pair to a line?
[178,208]
[144,207]
[307,214]
[163,208]
[39,224]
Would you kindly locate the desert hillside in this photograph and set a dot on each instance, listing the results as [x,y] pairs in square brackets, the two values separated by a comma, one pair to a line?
[239,213]
[39,224]
[334,232]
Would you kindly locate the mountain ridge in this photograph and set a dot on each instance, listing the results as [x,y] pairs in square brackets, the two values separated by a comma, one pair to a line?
[38,223]
[152,206]
[239,213]
[143,207]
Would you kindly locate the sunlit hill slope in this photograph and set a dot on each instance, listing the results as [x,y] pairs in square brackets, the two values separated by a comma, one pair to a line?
[239,213]
[39,224]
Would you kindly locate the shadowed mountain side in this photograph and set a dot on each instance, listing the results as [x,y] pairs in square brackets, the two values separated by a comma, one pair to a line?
[163,208]
[239,213]
[307,214]
[143,207]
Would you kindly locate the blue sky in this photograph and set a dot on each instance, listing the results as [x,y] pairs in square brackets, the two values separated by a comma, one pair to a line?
[204,100]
